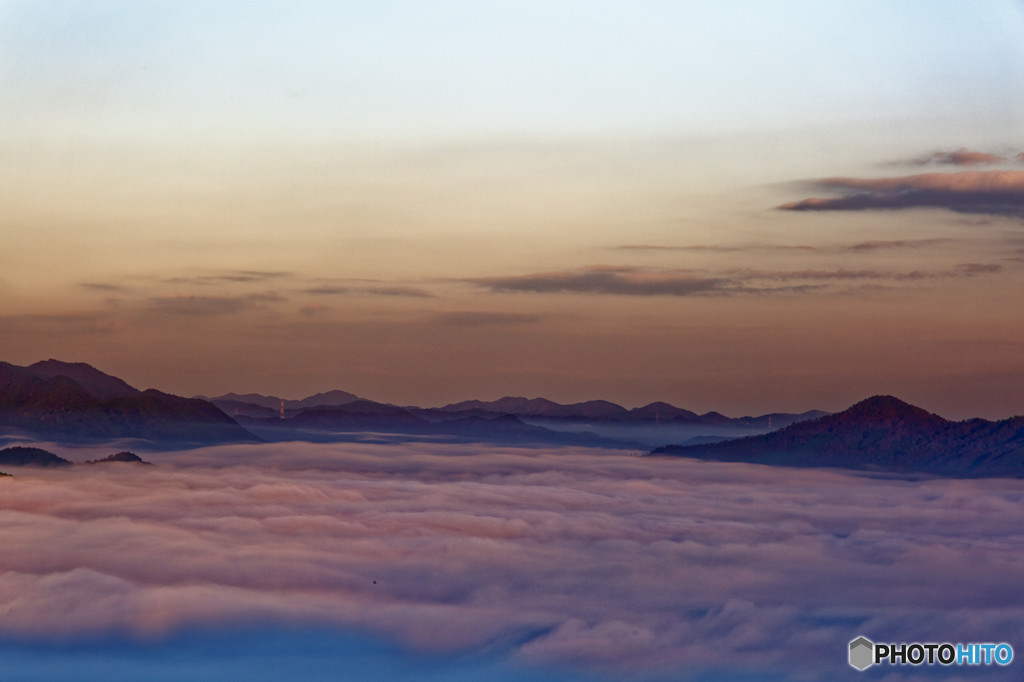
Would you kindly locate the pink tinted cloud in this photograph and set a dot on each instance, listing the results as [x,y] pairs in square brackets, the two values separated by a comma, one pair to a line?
[966,181]
[595,560]
[960,157]
[983,192]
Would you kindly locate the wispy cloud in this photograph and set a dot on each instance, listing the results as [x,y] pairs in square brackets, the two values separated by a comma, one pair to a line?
[231,277]
[980,192]
[874,245]
[973,269]
[474,318]
[199,306]
[314,310]
[958,157]
[103,287]
[824,275]
[328,290]
[892,244]
[717,248]
[843,274]
[601,279]
[348,290]
[635,281]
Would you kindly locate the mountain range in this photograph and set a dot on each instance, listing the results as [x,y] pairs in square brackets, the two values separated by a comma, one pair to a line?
[540,409]
[75,403]
[881,433]
[270,407]
[602,410]
[596,423]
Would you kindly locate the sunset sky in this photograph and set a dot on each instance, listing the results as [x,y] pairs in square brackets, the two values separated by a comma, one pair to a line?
[738,206]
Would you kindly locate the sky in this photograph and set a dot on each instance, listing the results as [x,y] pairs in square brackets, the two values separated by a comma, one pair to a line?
[465,562]
[736,206]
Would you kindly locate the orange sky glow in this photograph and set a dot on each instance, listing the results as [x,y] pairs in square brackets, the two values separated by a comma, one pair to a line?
[288,201]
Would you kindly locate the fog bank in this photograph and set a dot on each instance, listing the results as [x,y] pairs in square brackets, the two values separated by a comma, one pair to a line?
[597,562]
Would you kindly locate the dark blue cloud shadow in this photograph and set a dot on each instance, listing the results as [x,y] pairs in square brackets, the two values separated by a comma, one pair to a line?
[254,654]
[279,654]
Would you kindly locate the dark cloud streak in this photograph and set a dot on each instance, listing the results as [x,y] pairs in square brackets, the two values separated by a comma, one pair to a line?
[632,281]
[886,244]
[716,248]
[874,245]
[232,277]
[961,270]
[617,281]
[103,287]
[471,318]
[201,306]
[973,192]
[346,290]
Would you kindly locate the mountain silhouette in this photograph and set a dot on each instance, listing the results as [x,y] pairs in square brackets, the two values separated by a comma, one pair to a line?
[124,457]
[243,403]
[359,415]
[538,411]
[658,411]
[604,411]
[880,433]
[22,456]
[394,423]
[85,404]
[100,385]
[75,402]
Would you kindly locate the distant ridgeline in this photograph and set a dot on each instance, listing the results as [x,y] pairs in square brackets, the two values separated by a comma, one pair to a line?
[881,433]
[76,403]
[20,456]
[256,406]
[514,421]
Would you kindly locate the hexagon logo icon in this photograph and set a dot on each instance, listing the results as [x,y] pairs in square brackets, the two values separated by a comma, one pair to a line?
[862,653]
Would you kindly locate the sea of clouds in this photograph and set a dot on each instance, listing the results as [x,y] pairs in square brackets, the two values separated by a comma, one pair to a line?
[598,564]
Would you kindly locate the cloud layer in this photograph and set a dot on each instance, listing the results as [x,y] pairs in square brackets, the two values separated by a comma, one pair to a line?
[981,192]
[602,563]
[636,281]
[961,157]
